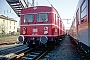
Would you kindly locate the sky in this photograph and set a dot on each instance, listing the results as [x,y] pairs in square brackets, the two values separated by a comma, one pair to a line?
[65,8]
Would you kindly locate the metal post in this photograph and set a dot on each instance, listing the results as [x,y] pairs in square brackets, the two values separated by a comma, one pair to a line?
[67,20]
[32,2]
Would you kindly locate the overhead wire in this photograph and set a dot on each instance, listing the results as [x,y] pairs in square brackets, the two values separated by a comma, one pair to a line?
[49,2]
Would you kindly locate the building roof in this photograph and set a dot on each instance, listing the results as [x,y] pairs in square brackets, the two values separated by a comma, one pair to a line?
[7,18]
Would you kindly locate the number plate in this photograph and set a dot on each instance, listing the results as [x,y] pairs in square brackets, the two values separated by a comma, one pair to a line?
[35,30]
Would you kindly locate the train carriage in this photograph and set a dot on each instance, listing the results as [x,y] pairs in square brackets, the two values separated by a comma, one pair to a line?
[40,25]
[80,28]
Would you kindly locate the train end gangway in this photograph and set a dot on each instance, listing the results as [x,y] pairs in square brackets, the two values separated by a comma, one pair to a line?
[17,5]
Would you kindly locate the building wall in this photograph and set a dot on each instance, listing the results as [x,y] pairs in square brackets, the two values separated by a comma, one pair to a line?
[9,25]
[12,26]
[1,24]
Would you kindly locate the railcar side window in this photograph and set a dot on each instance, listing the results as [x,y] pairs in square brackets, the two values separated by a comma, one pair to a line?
[28,18]
[55,18]
[74,23]
[84,9]
[42,17]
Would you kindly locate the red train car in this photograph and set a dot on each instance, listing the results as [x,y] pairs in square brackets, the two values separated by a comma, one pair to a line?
[80,28]
[40,24]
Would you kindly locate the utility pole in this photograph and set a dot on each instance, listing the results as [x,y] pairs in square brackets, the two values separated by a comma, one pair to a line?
[67,20]
[67,24]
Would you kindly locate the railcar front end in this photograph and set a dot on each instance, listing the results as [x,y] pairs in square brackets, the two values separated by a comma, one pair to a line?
[39,26]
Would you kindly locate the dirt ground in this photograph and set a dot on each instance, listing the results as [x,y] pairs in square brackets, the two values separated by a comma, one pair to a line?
[10,39]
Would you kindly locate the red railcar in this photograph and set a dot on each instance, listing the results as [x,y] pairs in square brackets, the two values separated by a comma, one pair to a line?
[40,24]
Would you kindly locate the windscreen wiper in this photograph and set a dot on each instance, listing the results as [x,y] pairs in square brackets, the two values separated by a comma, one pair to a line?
[44,19]
[27,21]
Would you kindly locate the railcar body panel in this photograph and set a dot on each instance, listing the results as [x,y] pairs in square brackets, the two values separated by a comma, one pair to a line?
[88,17]
[83,22]
[82,27]
[42,17]
[39,25]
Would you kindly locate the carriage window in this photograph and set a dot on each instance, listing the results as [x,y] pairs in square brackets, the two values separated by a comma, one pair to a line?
[84,9]
[42,17]
[55,18]
[28,18]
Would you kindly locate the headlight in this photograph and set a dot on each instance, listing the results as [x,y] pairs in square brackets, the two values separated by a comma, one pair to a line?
[45,32]
[24,32]
[45,28]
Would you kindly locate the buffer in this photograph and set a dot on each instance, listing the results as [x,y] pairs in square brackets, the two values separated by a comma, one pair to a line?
[17,5]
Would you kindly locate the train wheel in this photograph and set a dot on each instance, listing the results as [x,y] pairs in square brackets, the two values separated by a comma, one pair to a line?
[26,42]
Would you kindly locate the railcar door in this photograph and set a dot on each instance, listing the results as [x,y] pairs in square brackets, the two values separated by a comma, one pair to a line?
[77,23]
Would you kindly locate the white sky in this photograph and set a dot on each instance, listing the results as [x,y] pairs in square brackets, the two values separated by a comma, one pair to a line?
[66,9]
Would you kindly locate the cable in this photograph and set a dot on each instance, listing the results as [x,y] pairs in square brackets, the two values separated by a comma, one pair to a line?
[48,2]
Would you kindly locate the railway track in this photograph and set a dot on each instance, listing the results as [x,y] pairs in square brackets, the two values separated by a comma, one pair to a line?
[83,54]
[10,52]
[6,43]
[80,51]
[32,54]
[23,53]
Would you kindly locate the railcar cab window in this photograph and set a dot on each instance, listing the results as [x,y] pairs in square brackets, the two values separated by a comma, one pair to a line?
[42,17]
[55,18]
[84,9]
[28,18]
